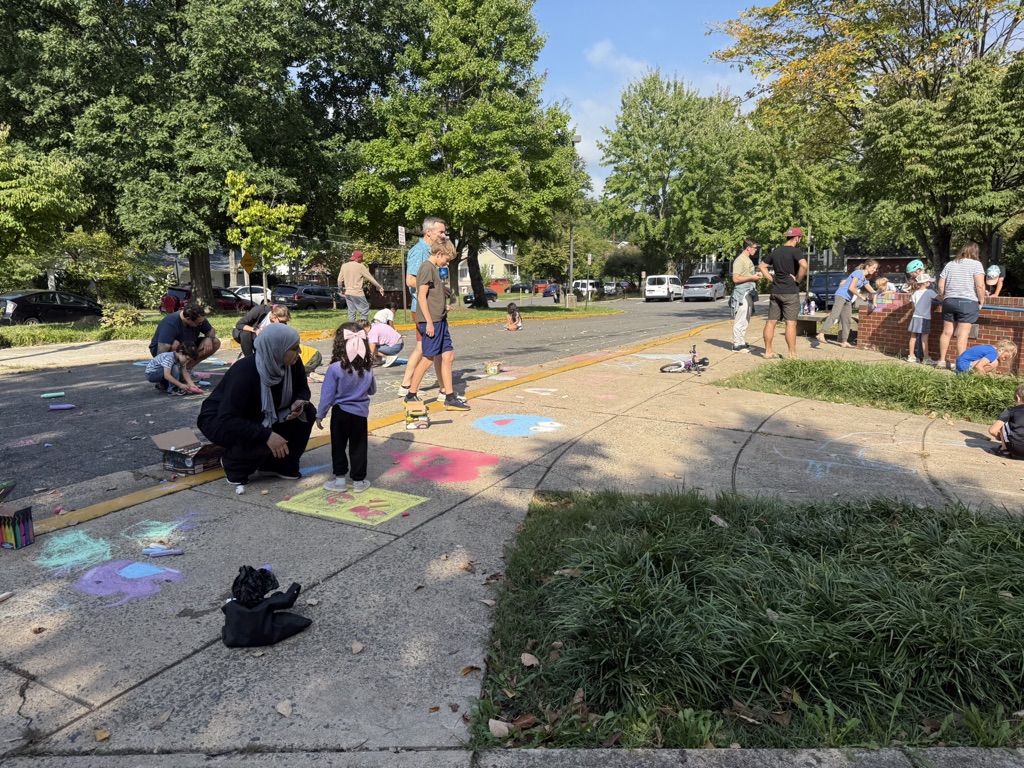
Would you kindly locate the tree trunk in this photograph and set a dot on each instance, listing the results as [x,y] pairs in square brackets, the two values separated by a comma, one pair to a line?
[202,282]
[232,269]
[472,240]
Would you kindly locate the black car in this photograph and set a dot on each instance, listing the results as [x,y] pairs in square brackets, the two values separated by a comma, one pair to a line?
[30,307]
[520,288]
[470,297]
[824,286]
[306,296]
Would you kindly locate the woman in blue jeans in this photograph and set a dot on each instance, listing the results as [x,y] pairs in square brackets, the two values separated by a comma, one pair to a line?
[962,288]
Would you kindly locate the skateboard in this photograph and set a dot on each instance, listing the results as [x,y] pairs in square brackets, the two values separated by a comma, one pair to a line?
[416,416]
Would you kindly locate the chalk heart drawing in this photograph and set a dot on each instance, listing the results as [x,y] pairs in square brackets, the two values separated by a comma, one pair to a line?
[125,577]
[68,551]
[515,425]
[442,465]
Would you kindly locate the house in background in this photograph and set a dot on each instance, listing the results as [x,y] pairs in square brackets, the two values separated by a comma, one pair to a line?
[495,264]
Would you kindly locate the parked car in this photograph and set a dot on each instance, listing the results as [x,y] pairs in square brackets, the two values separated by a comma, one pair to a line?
[470,297]
[824,286]
[539,285]
[307,296]
[226,300]
[521,288]
[704,287]
[626,287]
[551,290]
[253,293]
[30,307]
[611,289]
[589,288]
[663,287]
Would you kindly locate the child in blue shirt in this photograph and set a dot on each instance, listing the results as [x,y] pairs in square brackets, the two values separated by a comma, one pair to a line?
[985,358]
[169,370]
[346,391]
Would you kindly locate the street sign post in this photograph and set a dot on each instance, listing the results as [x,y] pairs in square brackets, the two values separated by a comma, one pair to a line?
[248,262]
[401,235]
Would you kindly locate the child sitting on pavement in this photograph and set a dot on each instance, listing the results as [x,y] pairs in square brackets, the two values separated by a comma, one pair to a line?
[385,342]
[386,315]
[1008,429]
[513,320]
[169,370]
[921,322]
[985,358]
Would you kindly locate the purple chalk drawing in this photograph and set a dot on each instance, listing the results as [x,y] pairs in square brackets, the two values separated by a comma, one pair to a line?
[125,577]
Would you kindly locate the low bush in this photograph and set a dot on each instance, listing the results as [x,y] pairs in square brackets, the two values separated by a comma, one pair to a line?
[120,316]
[685,621]
[897,387]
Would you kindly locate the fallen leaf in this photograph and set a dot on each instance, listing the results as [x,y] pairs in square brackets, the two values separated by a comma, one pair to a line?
[160,719]
[531,645]
[930,725]
[498,729]
[524,721]
[418,587]
[432,710]
[453,707]
[569,572]
[284,707]
[312,601]
[529,660]
[578,698]
[612,740]
[38,630]
[469,566]
[1007,596]
[554,656]
[507,692]
[558,645]
[772,615]
[100,735]
[257,654]
[357,647]
[493,578]
[489,603]
[719,521]
[781,718]
[469,668]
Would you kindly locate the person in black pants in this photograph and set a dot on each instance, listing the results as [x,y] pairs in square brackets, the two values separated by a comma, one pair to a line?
[260,412]
[248,328]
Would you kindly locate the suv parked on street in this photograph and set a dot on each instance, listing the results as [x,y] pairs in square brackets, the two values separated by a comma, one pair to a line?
[824,286]
[306,296]
[227,301]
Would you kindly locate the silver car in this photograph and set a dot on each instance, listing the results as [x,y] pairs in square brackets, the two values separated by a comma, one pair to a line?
[704,287]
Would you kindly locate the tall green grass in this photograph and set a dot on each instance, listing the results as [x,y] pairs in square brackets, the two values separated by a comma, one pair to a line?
[898,387]
[804,626]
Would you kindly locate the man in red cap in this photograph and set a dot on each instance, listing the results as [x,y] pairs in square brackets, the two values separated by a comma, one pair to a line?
[789,265]
[351,277]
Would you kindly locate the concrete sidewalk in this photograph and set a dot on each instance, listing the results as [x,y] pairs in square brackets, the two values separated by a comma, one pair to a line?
[100,639]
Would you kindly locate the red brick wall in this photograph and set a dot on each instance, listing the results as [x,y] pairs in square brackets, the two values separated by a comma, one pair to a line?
[884,328]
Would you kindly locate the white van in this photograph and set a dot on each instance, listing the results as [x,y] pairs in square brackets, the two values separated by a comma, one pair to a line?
[589,288]
[663,287]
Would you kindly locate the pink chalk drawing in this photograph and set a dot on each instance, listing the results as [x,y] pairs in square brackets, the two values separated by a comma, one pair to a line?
[442,465]
[125,577]
[366,513]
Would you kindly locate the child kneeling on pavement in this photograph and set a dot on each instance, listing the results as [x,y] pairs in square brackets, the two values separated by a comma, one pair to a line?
[1008,429]
[169,370]
[385,342]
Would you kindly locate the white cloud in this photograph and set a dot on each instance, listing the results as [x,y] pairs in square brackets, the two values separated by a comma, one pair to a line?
[604,57]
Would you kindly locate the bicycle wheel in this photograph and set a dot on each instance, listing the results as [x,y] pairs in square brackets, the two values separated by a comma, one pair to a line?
[677,366]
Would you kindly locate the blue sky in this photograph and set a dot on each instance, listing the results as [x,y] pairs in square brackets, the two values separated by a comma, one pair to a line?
[595,47]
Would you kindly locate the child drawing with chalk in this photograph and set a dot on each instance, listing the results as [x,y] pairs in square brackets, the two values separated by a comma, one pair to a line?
[169,370]
[346,391]
[513,320]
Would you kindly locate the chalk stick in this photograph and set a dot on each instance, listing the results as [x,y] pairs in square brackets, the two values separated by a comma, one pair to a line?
[6,596]
[62,407]
[52,394]
[162,552]
[376,504]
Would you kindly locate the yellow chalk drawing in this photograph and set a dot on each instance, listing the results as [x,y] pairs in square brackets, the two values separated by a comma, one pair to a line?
[371,507]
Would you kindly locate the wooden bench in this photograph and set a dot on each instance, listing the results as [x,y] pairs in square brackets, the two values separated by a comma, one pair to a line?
[807,325]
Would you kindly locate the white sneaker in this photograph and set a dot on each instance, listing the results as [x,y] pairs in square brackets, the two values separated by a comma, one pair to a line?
[389,361]
[338,485]
[929,361]
[744,348]
[441,395]
[360,485]
[913,360]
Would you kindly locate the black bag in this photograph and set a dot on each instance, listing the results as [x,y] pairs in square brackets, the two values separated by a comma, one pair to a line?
[252,620]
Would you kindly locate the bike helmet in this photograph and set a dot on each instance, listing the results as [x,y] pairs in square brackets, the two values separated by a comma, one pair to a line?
[915,265]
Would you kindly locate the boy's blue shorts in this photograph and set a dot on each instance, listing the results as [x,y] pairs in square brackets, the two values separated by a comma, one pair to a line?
[441,341]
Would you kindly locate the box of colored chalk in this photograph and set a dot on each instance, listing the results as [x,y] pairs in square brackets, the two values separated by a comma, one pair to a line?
[16,530]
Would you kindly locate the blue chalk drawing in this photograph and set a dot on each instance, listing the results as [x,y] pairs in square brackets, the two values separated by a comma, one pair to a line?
[836,455]
[123,577]
[515,425]
[139,571]
[306,471]
[70,550]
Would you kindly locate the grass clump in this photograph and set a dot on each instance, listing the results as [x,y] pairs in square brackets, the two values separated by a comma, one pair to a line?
[895,387]
[682,621]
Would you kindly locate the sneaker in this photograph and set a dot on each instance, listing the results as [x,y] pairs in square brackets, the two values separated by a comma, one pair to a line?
[337,484]
[176,391]
[160,387]
[282,475]
[442,396]
[929,361]
[389,360]
[455,403]
[412,397]
[821,338]
[913,360]
[358,486]
[743,348]
[230,481]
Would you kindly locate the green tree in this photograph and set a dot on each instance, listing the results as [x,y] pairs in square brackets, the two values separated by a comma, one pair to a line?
[626,262]
[672,154]
[465,136]
[40,195]
[548,255]
[262,229]
[118,273]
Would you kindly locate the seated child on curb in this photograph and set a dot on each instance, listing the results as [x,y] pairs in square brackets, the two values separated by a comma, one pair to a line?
[169,370]
[513,321]
[348,384]
[921,323]
[1008,429]
[385,342]
[386,315]
[985,358]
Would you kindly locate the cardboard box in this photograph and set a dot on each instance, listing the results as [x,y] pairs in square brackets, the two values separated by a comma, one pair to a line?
[16,529]
[185,453]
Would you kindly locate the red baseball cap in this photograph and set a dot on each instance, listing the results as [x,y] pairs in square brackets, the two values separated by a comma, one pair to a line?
[795,232]
[356,256]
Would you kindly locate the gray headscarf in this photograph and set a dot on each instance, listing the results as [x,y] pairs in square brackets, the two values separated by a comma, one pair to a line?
[271,344]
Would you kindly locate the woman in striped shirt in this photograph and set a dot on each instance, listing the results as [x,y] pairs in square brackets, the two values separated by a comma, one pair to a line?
[962,287]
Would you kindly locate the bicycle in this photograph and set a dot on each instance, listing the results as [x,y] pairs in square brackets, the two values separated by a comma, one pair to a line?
[692,365]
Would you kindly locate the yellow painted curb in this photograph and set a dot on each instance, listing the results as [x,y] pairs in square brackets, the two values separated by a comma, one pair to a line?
[186,482]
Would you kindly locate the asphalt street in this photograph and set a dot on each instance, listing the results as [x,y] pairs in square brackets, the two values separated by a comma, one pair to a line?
[117,411]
